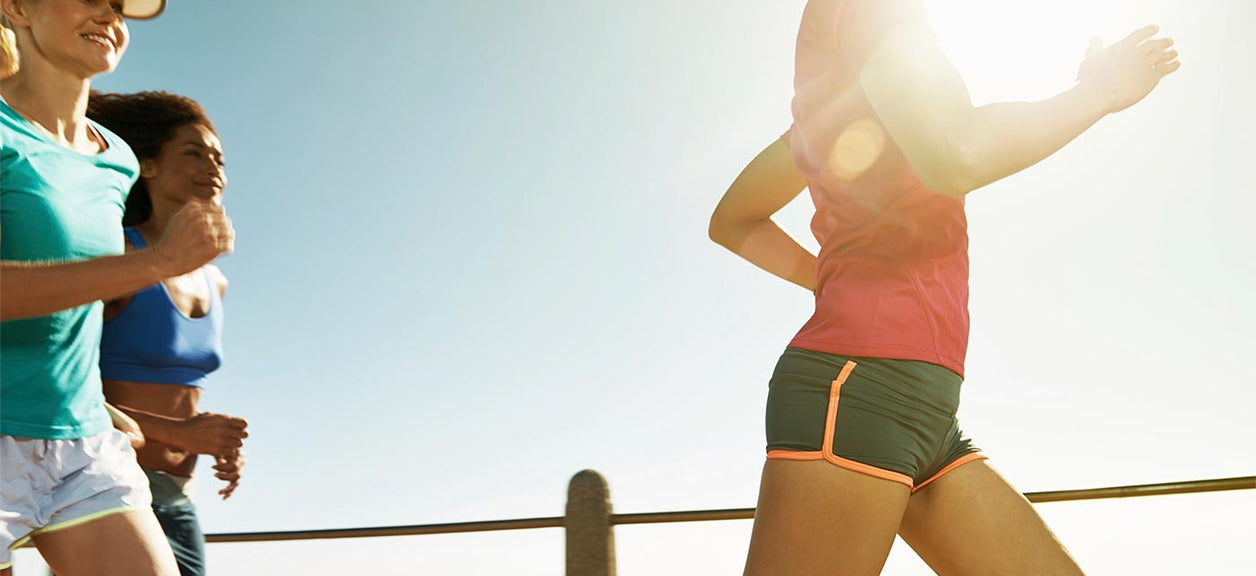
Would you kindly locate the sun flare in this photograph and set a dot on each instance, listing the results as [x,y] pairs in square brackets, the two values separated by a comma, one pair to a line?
[1019,49]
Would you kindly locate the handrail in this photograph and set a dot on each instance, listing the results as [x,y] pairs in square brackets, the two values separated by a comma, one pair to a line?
[1241,483]
[414,530]
[1166,488]
[1217,485]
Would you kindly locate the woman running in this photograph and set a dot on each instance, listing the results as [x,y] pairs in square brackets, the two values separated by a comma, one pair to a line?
[862,437]
[70,482]
[160,343]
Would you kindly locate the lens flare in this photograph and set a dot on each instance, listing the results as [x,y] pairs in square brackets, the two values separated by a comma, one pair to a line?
[857,149]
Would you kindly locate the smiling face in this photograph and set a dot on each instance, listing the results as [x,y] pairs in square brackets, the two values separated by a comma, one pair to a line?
[85,37]
[189,166]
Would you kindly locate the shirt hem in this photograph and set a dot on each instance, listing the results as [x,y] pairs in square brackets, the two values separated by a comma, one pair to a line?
[147,377]
[84,430]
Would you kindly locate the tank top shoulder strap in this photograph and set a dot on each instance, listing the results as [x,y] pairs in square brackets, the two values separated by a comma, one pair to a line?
[134,237]
[214,296]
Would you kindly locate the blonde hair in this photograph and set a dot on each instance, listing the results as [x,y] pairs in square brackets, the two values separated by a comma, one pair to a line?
[9,59]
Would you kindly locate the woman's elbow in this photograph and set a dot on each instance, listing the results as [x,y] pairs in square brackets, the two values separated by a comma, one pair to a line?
[717,229]
[725,231]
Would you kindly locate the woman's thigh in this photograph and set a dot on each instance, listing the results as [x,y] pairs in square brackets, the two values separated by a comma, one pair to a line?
[129,543]
[817,519]
[971,522]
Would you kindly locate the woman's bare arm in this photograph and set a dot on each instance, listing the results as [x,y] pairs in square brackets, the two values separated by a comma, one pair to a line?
[743,223]
[196,235]
[956,148]
[202,433]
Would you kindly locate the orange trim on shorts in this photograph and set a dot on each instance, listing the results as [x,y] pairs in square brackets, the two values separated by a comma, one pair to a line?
[826,449]
[962,460]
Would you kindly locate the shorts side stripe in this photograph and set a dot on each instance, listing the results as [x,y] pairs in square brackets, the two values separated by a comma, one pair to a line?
[71,523]
[962,460]
[826,450]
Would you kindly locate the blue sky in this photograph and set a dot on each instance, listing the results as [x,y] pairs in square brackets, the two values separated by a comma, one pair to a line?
[472,261]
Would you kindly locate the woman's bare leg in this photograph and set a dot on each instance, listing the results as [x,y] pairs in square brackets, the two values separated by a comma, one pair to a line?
[971,522]
[816,519]
[130,544]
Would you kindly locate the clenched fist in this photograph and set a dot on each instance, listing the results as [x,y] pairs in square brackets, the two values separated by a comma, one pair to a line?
[196,235]
[218,435]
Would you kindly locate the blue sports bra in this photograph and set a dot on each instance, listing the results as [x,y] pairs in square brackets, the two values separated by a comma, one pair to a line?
[151,340]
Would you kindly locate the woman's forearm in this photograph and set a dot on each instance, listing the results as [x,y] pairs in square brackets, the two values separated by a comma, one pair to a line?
[199,232]
[38,289]
[201,433]
[154,426]
[767,246]
[742,222]
[955,148]
[998,140]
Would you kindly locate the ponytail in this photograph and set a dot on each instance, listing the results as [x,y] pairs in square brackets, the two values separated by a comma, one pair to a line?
[8,50]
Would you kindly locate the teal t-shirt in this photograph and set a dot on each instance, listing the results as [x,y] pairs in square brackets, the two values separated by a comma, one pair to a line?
[56,205]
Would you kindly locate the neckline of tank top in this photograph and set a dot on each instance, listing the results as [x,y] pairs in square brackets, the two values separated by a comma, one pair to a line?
[213,291]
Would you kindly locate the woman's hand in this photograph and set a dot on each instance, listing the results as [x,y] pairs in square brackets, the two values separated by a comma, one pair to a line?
[126,425]
[1126,72]
[228,470]
[197,234]
[218,435]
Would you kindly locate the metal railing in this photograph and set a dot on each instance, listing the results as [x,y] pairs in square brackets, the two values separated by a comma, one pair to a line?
[589,520]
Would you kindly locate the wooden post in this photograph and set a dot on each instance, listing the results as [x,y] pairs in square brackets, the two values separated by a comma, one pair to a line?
[590,536]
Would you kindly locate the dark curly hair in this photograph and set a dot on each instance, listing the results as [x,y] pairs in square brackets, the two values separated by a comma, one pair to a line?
[146,121]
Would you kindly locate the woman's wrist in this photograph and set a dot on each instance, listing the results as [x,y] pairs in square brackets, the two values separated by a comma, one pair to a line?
[163,429]
[154,264]
[1094,97]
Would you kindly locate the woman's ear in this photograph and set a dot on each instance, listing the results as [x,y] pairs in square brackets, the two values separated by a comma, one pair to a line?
[148,168]
[14,13]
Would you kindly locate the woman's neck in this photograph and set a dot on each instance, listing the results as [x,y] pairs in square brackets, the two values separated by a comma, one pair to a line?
[155,226]
[54,99]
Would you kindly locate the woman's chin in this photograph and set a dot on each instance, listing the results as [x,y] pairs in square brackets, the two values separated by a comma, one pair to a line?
[102,64]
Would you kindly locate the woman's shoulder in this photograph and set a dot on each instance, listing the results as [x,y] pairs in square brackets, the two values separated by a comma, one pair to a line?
[118,153]
[217,279]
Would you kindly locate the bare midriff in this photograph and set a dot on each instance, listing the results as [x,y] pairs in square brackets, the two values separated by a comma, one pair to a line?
[173,401]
